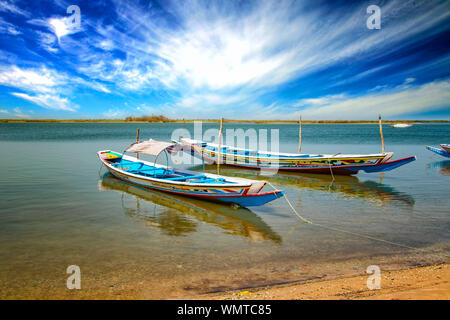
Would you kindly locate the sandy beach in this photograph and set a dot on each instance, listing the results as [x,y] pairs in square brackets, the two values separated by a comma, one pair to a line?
[421,283]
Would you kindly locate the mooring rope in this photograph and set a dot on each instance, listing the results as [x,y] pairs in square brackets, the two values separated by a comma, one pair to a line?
[331,170]
[100,170]
[332,175]
[290,204]
[306,221]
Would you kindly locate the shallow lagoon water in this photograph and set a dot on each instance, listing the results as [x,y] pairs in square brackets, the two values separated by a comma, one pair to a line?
[58,209]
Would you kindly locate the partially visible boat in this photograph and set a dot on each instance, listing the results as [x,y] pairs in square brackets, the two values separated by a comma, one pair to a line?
[402,125]
[345,164]
[207,186]
[446,147]
[444,150]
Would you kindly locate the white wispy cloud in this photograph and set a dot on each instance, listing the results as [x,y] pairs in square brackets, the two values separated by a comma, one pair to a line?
[216,48]
[10,7]
[48,101]
[107,45]
[115,113]
[319,101]
[209,100]
[15,113]
[45,87]
[48,41]
[221,56]
[391,103]
[18,113]
[62,26]
[90,84]
[8,28]
[40,79]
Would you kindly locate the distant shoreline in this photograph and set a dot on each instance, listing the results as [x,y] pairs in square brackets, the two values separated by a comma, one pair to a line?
[225,120]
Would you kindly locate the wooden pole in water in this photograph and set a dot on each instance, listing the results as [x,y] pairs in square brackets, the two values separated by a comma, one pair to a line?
[137,141]
[300,135]
[219,156]
[381,133]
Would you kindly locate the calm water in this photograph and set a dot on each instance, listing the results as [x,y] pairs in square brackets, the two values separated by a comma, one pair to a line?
[58,208]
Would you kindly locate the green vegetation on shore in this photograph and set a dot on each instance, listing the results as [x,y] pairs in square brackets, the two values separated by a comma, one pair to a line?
[151,118]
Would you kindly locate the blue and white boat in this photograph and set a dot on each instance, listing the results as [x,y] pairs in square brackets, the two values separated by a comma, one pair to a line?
[344,164]
[444,150]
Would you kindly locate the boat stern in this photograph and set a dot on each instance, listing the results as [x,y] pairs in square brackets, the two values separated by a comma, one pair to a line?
[388,165]
[388,156]
[256,199]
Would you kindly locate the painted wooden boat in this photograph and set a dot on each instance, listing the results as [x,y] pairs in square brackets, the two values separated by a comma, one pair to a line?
[443,151]
[345,164]
[243,192]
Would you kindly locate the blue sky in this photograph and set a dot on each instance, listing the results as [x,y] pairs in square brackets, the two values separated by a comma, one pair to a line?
[232,59]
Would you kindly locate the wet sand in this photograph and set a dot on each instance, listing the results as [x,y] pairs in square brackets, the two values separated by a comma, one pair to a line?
[420,283]
[408,278]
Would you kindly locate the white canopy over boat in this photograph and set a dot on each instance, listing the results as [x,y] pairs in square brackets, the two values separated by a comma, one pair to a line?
[151,147]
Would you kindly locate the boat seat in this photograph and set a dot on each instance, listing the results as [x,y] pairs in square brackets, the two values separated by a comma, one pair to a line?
[220,180]
[186,177]
[153,171]
[144,170]
[128,163]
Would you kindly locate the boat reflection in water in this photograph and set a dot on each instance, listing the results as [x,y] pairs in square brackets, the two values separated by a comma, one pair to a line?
[442,166]
[172,213]
[349,187]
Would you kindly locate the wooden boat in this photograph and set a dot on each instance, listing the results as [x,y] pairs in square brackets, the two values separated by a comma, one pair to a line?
[402,125]
[443,151]
[346,164]
[243,192]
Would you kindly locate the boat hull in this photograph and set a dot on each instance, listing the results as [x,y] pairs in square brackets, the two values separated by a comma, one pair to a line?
[341,170]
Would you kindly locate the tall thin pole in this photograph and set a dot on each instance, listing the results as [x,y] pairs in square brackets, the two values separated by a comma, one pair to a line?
[300,135]
[381,133]
[137,141]
[219,156]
